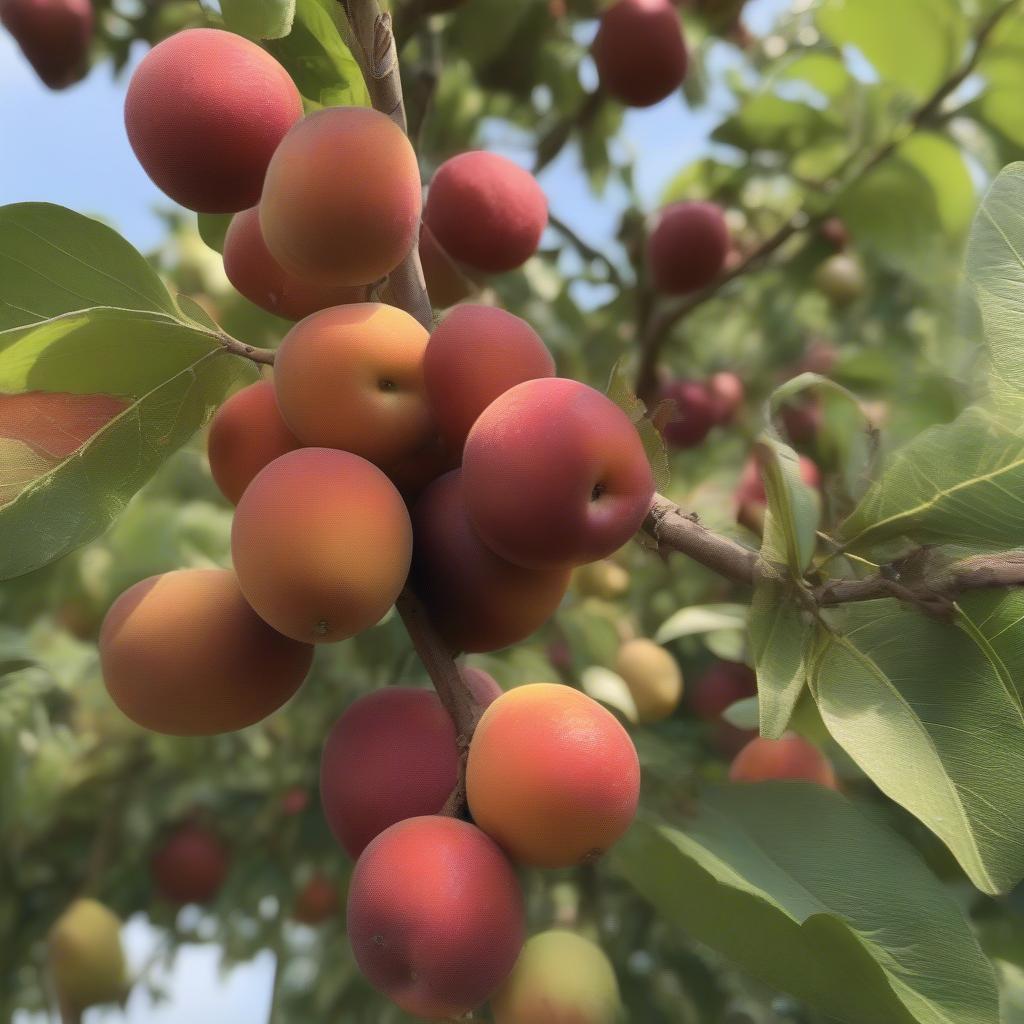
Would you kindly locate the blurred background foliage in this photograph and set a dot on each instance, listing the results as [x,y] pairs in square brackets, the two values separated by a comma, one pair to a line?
[85,797]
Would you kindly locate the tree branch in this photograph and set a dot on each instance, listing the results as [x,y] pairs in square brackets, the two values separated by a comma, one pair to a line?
[586,250]
[240,348]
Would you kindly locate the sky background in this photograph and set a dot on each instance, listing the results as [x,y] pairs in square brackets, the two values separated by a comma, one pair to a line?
[70,148]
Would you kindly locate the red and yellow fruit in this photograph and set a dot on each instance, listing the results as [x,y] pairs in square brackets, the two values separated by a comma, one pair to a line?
[653,676]
[552,776]
[790,757]
[392,755]
[321,544]
[205,112]
[435,916]
[184,654]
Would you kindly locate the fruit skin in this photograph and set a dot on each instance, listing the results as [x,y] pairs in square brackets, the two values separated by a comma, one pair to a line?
[294,800]
[262,280]
[435,916]
[446,284]
[841,279]
[414,473]
[183,654]
[54,36]
[560,978]
[321,544]
[688,247]
[317,901]
[86,957]
[482,685]
[475,355]
[604,579]
[351,377]
[790,757]
[640,51]
[552,776]
[802,419]
[477,600]
[696,413]
[205,111]
[330,214]
[392,755]
[653,677]
[835,233]
[190,866]
[246,434]
[727,394]
[721,686]
[555,474]
[486,211]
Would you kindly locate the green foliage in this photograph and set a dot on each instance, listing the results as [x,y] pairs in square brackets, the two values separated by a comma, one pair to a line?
[259,19]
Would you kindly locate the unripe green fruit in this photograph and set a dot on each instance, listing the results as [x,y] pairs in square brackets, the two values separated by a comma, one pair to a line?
[653,677]
[86,957]
[604,579]
[841,278]
[560,978]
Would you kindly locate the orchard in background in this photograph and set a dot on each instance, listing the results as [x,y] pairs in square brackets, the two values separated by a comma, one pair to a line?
[492,619]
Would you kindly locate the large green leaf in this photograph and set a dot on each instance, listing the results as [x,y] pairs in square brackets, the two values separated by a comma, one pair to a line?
[926,497]
[995,268]
[914,44]
[927,712]
[166,379]
[1002,68]
[53,261]
[259,19]
[794,509]
[779,633]
[804,892]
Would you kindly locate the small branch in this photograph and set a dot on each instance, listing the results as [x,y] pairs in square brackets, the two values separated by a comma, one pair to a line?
[586,250]
[264,356]
[554,140]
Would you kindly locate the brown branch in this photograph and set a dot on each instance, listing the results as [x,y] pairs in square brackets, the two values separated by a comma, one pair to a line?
[655,331]
[586,250]
[554,140]
[240,348]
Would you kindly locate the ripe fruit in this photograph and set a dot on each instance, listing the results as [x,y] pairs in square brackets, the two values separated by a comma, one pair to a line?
[721,686]
[247,433]
[417,470]
[54,36]
[802,418]
[477,600]
[640,51]
[552,776]
[446,284]
[262,280]
[342,198]
[317,901]
[486,211]
[294,800]
[790,757]
[653,677]
[322,544]
[604,579]
[696,413]
[482,685]
[86,957]
[205,112]
[559,978]
[727,394]
[190,866]
[555,474]
[392,755]
[688,247]
[475,355]
[184,654]
[841,279]
[351,377]
[435,916]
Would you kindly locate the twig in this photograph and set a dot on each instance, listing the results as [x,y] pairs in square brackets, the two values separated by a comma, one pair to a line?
[240,348]
[554,140]
[586,250]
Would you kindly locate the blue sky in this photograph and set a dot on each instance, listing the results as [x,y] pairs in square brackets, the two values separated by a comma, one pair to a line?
[70,148]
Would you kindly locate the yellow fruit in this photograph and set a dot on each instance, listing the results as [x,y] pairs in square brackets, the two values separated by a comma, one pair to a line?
[559,977]
[603,579]
[653,677]
[86,958]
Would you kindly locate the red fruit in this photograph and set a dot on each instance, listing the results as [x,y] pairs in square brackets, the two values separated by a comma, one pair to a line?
[56,423]
[190,866]
[392,755]
[555,474]
[790,757]
[727,394]
[834,232]
[413,474]
[751,485]
[482,685]
[205,112]
[54,36]
[262,280]
[317,901]
[696,413]
[486,211]
[640,51]
[688,247]
[247,433]
[477,600]
[475,355]
[294,801]
[435,916]
[802,419]
[722,685]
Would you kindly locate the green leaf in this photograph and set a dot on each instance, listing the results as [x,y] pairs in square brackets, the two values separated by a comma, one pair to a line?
[767,121]
[995,268]
[53,261]
[794,509]
[212,229]
[259,19]
[914,44]
[802,891]
[705,618]
[315,54]
[1002,68]
[926,497]
[166,378]
[620,391]
[928,714]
